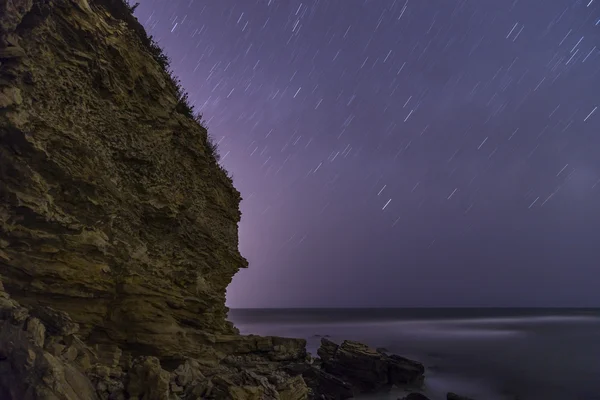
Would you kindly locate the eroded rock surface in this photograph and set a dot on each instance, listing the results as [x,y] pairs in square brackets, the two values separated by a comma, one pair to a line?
[112,208]
[40,363]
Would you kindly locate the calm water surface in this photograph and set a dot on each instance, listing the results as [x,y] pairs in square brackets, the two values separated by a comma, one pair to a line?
[492,354]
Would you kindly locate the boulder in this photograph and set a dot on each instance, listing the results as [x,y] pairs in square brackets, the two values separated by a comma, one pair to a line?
[147,380]
[404,371]
[245,385]
[27,370]
[326,386]
[188,373]
[366,369]
[292,388]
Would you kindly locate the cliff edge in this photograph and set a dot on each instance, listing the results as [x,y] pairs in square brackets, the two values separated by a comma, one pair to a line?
[112,206]
[118,230]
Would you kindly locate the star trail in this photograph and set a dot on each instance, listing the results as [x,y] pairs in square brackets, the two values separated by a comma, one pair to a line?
[401,152]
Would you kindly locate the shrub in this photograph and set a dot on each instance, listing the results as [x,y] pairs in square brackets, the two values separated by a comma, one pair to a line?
[130,7]
[183,105]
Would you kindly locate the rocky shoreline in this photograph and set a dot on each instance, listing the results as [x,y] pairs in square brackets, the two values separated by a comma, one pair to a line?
[42,357]
[118,231]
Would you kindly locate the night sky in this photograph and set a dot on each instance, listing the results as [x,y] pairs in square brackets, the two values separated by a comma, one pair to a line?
[402,152]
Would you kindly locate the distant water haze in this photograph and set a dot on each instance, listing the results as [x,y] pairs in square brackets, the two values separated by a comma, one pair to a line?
[488,354]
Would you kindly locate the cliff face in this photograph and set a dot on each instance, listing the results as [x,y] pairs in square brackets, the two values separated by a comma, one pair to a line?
[112,207]
[118,231]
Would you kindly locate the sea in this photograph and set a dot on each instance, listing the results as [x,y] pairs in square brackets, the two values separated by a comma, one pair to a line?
[485,354]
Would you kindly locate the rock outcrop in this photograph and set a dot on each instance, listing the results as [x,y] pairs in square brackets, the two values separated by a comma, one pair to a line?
[112,207]
[38,362]
[366,369]
[118,230]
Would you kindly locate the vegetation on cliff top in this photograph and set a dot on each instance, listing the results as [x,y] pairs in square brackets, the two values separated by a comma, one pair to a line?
[183,103]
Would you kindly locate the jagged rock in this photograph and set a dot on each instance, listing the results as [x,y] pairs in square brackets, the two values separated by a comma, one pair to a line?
[12,52]
[241,386]
[11,13]
[27,371]
[188,373]
[272,347]
[366,369]
[109,384]
[37,331]
[175,388]
[147,380]
[294,388]
[10,96]
[57,322]
[326,386]
[108,354]
[404,371]
[454,396]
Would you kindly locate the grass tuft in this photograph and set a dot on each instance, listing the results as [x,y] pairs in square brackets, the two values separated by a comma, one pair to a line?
[183,105]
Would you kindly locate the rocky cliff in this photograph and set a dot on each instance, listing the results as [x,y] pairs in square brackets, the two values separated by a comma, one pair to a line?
[112,207]
[118,229]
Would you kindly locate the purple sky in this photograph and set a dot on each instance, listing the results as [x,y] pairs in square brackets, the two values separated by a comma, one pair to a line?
[402,152]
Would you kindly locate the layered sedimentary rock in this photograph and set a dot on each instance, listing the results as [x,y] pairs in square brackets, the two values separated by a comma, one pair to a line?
[112,207]
[44,358]
[366,369]
[118,230]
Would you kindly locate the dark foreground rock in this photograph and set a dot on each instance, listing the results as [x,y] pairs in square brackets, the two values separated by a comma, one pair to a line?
[454,396]
[38,363]
[415,396]
[323,385]
[366,369]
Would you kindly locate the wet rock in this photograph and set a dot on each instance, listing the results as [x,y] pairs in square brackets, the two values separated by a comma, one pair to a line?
[404,371]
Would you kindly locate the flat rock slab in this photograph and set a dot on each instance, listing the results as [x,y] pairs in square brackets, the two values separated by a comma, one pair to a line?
[366,369]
